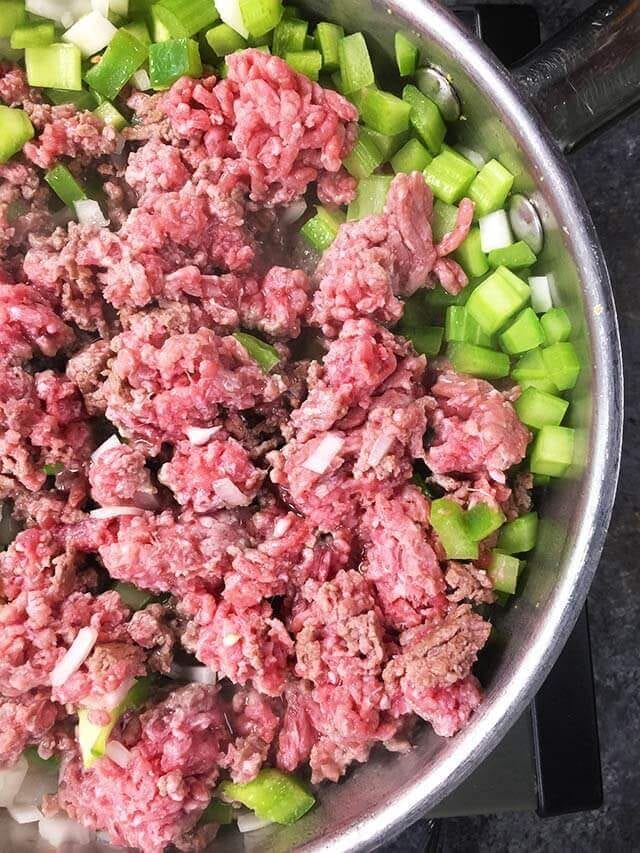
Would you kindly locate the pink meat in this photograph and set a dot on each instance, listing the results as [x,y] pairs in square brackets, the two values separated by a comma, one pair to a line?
[216,476]
[155,168]
[255,725]
[118,476]
[25,720]
[477,430]
[336,188]
[87,369]
[28,324]
[24,212]
[66,131]
[380,258]
[278,304]
[160,553]
[158,798]
[14,89]
[107,674]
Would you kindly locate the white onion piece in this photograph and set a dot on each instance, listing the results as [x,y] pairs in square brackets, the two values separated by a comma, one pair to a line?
[230,14]
[11,778]
[381,446]
[228,492]
[92,33]
[495,231]
[293,212]
[281,526]
[89,213]
[471,155]
[118,753]
[324,454]
[25,814]
[109,444]
[106,512]
[249,822]
[62,11]
[60,830]
[201,435]
[541,298]
[75,656]
[230,640]
[193,674]
[101,6]
[38,782]
[141,81]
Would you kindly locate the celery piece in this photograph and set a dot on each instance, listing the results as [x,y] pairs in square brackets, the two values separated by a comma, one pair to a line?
[563,365]
[371,196]
[556,326]
[170,60]
[365,156]
[327,39]
[517,256]
[33,35]
[132,595]
[124,55]
[217,812]
[460,326]
[307,62]
[520,535]
[272,795]
[15,130]
[490,188]
[552,451]
[384,112]
[443,220]
[321,230]
[223,40]
[478,361]
[387,145]
[412,157]
[356,70]
[525,333]
[82,99]
[425,118]
[537,408]
[426,340]
[482,520]
[12,15]
[55,66]
[266,355]
[447,519]
[138,29]
[191,15]
[494,302]
[449,176]
[470,255]
[35,759]
[64,185]
[110,115]
[260,16]
[503,571]
[53,468]
[289,36]
[407,54]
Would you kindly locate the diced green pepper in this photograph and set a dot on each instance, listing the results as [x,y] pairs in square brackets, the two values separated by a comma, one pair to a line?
[122,58]
[447,519]
[53,468]
[110,115]
[520,535]
[426,340]
[272,795]
[138,29]
[217,812]
[503,571]
[15,130]
[132,595]
[64,185]
[266,355]
[482,520]
[170,60]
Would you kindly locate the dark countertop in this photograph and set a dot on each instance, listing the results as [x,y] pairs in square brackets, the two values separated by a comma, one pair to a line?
[608,172]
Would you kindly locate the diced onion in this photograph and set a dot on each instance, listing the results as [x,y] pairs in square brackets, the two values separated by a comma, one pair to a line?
[75,656]
[324,454]
[63,11]
[495,231]
[92,33]
[249,822]
[109,444]
[228,492]
[201,435]
[106,512]
[293,212]
[230,640]
[101,6]
[60,830]
[11,778]
[89,213]
[541,298]
[381,446]
[25,814]
[140,80]
[193,674]
[281,526]
[471,155]
[38,782]
[230,14]
[118,753]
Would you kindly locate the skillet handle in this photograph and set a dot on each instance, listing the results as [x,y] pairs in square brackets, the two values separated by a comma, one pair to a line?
[588,74]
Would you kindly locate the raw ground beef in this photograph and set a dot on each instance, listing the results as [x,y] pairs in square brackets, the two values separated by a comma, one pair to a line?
[269,514]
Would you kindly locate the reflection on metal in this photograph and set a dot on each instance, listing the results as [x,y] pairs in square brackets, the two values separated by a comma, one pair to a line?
[525,222]
[434,84]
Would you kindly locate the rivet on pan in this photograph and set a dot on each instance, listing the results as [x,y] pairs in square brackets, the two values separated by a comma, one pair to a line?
[436,86]
[525,223]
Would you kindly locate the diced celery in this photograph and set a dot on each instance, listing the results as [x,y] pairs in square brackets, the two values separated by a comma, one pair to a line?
[523,334]
[64,185]
[266,355]
[138,29]
[412,157]
[12,15]
[133,596]
[110,115]
[55,66]
[121,59]
[518,256]
[83,99]
[447,519]
[33,35]
[427,340]
[443,220]
[503,571]
[556,325]
[562,363]
[406,54]
[520,535]
[387,145]
[170,60]
[425,118]
[552,451]
[415,314]
[478,361]
[490,188]
[322,229]
[536,408]
[327,39]
[470,255]
[53,468]
[289,36]
[15,130]
[260,16]
[497,299]
[371,196]
[307,62]
[217,812]
[482,520]
[531,366]
[449,176]
[189,16]
[223,40]
[356,70]
[365,156]
[384,112]
[272,795]
[545,385]
[460,326]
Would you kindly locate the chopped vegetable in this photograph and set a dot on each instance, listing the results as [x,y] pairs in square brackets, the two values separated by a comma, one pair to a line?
[536,408]
[490,188]
[33,35]
[552,451]
[217,812]
[12,15]
[384,112]
[15,130]
[224,40]
[266,355]
[173,59]
[371,196]
[64,185]
[541,298]
[260,16]
[470,255]
[289,36]
[55,66]
[523,334]
[307,62]
[110,115]
[365,156]
[478,361]
[229,11]
[563,364]
[132,595]
[426,340]
[449,176]
[412,157]
[138,29]
[53,468]
[327,39]
[497,299]
[519,535]
[121,59]
[482,520]
[91,33]
[387,144]
[407,54]
[184,18]
[356,70]
[460,326]
[425,118]
[447,519]
[322,229]
[556,326]
[518,256]
[503,571]
[82,99]
[272,795]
